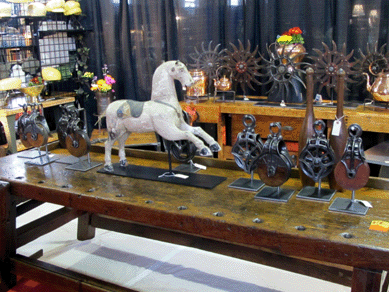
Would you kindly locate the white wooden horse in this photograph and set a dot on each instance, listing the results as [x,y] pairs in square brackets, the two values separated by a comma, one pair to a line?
[162,114]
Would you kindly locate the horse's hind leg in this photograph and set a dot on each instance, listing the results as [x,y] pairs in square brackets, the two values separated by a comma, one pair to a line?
[108,149]
[122,153]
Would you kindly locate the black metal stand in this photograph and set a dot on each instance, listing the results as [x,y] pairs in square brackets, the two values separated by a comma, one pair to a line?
[42,158]
[275,194]
[170,173]
[351,206]
[187,167]
[84,164]
[316,193]
[247,184]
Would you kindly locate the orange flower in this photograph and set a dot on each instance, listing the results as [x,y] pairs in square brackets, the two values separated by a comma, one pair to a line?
[295,30]
[286,33]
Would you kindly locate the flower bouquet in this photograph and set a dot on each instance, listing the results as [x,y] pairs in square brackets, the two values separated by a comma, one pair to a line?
[103,89]
[290,43]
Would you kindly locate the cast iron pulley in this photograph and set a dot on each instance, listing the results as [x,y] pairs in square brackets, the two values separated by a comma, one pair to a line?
[78,143]
[352,171]
[274,164]
[317,159]
[183,150]
[63,124]
[22,123]
[248,145]
[32,127]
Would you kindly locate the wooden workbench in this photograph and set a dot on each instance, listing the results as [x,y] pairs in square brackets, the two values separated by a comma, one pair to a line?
[368,118]
[301,236]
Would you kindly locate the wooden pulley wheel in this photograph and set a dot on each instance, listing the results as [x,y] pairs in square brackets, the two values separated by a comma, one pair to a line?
[273,170]
[23,139]
[357,180]
[38,137]
[78,143]
[62,136]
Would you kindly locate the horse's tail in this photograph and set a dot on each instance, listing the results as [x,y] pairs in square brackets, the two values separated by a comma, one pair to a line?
[100,117]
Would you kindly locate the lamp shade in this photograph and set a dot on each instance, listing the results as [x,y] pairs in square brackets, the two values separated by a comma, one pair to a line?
[72,7]
[55,6]
[20,1]
[5,9]
[10,83]
[36,9]
[51,74]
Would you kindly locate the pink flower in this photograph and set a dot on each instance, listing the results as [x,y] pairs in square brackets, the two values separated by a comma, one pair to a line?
[109,79]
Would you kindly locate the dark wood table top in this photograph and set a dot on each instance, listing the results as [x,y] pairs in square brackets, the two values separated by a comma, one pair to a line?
[159,204]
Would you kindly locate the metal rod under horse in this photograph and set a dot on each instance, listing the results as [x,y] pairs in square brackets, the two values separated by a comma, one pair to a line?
[162,114]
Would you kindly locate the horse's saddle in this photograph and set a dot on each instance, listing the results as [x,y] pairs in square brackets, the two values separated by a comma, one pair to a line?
[130,108]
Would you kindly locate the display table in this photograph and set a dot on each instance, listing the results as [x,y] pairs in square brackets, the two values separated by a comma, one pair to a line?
[301,236]
[228,118]
[8,117]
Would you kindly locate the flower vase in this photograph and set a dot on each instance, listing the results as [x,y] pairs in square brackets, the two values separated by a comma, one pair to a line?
[292,50]
[103,100]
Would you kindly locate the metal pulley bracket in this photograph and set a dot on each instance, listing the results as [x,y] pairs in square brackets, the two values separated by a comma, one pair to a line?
[317,159]
[352,171]
[32,127]
[248,145]
[274,164]
[76,140]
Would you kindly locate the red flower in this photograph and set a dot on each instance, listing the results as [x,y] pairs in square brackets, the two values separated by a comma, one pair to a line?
[295,30]
[286,33]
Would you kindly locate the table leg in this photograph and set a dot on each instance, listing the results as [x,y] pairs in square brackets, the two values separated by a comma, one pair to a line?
[366,280]
[9,129]
[8,236]
[85,230]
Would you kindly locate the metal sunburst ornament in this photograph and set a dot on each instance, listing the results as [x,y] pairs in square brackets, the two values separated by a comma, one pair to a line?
[282,70]
[327,64]
[374,62]
[208,60]
[244,65]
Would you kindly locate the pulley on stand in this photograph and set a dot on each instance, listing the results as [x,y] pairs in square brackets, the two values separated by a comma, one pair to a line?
[317,160]
[246,151]
[352,173]
[170,173]
[76,140]
[34,132]
[274,166]
[184,151]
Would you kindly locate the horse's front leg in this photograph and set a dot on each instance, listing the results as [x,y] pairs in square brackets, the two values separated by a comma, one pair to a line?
[172,133]
[213,145]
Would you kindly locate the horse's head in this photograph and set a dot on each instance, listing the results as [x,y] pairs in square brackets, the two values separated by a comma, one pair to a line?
[179,72]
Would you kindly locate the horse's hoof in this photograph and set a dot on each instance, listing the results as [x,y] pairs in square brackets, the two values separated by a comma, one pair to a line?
[205,152]
[123,163]
[108,168]
[215,147]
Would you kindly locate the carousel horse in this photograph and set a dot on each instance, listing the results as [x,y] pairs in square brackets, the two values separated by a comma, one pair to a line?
[162,114]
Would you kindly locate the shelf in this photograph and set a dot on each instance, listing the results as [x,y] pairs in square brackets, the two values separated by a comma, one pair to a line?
[17,47]
[73,31]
